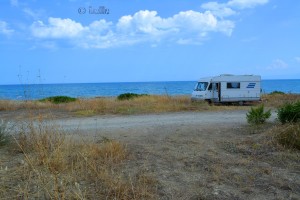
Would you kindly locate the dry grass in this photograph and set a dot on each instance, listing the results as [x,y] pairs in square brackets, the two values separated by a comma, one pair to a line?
[48,165]
[259,161]
[140,105]
[277,100]
[10,105]
[86,107]
[145,104]
[196,163]
[287,135]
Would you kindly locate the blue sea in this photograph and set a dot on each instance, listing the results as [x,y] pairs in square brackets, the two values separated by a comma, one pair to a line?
[89,90]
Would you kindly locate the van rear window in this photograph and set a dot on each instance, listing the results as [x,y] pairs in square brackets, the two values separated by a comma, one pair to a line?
[233,85]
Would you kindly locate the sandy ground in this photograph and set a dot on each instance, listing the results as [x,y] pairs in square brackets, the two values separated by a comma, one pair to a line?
[137,127]
[198,155]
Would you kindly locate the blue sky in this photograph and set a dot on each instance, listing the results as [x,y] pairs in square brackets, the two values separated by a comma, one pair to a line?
[76,41]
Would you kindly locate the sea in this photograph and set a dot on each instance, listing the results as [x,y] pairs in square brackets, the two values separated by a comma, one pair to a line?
[92,90]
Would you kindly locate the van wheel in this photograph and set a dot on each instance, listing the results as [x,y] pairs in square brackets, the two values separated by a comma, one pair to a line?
[241,103]
[208,101]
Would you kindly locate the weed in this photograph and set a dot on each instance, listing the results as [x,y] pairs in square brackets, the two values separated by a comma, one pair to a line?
[289,136]
[56,167]
[4,135]
[59,99]
[127,96]
[85,113]
[140,105]
[276,100]
[276,92]
[258,115]
[290,112]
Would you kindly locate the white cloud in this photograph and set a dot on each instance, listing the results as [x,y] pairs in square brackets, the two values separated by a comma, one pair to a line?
[186,27]
[56,28]
[189,24]
[51,45]
[242,4]
[100,25]
[196,21]
[29,12]
[35,14]
[146,22]
[230,8]
[14,2]
[4,29]
[218,9]
[189,27]
[144,26]
[278,64]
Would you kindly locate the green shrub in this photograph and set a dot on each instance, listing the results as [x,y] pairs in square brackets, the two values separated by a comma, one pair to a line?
[290,112]
[127,96]
[277,92]
[59,99]
[258,115]
[289,137]
[4,135]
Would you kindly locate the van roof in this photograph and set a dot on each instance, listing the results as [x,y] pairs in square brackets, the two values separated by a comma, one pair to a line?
[231,77]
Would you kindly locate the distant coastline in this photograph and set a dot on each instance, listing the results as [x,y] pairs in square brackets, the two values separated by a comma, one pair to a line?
[90,90]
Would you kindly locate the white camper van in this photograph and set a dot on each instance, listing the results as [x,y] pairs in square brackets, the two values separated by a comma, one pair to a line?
[228,88]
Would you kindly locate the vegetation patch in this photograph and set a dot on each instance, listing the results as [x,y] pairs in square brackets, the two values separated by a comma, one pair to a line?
[258,115]
[140,104]
[59,99]
[4,135]
[85,113]
[276,92]
[276,100]
[128,96]
[289,136]
[46,164]
[290,112]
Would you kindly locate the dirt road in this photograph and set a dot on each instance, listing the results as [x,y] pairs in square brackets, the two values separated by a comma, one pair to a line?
[141,125]
[198,155]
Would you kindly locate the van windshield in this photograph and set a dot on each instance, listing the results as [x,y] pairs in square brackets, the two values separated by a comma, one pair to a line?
[201,86]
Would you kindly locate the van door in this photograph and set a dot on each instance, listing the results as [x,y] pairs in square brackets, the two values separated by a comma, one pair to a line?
[216,92]
[219,91]
[209,92]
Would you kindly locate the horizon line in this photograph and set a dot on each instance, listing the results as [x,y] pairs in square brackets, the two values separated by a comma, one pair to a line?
[267,79]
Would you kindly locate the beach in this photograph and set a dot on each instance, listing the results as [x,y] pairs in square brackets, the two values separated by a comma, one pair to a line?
[212,153]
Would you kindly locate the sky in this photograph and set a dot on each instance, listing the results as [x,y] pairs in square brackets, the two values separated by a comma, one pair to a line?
[82,41]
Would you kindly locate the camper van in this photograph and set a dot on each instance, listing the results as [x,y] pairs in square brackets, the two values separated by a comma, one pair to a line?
[228,88]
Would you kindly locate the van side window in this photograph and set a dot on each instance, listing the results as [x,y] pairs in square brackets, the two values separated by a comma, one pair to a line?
[233,85]
[209,87]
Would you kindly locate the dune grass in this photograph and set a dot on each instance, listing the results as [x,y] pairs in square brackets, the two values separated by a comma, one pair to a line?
[288,135]
[141,105]
[4,133]
[13,105]
[44,163]
[58,99]
[128,96]
[277,99]
[110,105]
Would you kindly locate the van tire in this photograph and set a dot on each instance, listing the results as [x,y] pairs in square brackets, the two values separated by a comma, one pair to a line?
[241,103]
